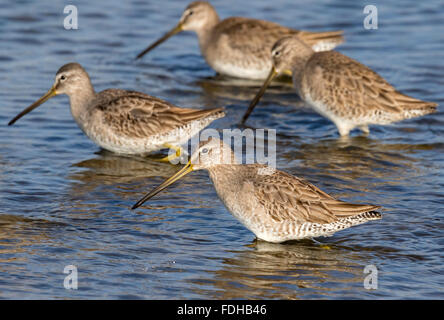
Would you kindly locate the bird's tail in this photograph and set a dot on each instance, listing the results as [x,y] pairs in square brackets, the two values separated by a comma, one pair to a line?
[322,41]
[415,108]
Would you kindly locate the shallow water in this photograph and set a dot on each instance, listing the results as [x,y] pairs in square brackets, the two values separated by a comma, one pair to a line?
[63,201]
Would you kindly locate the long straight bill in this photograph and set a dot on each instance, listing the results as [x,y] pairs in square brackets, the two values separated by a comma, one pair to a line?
[51,93]
[259,95]
[169,34]
[181,173]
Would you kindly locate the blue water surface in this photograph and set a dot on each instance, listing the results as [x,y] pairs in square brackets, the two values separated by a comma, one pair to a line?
[63,201]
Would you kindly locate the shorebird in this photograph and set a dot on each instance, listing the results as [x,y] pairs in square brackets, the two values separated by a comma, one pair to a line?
[121,121]
[272,204]
[240,47]
[340,88]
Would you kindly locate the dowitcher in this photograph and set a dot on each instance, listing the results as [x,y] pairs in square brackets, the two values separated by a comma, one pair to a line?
[272,204]
[121,121]
[240,47]
[340,88]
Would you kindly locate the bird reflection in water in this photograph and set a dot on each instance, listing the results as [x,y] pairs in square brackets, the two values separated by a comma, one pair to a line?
[293,270]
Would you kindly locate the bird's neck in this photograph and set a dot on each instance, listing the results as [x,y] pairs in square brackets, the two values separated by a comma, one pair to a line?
[298,64]
[225,175]
[80,101]
[204,33]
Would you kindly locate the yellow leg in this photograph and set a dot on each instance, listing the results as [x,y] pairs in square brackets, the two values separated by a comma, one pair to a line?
[169,157]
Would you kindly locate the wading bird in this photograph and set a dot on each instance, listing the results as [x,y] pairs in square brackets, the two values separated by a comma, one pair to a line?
[339,88]
[240,47]
[125,122]
[272,204]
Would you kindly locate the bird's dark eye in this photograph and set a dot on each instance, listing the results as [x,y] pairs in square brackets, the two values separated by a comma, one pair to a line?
[276,53]
[205,150]
[190,13]
[62,78]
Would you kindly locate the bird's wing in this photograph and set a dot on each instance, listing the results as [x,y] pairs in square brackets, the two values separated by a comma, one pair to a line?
[251,35]
[258,36]
[341,81]
[288,198]
[136,114]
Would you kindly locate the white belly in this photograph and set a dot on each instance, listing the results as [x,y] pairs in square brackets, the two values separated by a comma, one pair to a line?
[344,125]
[121,144]
[233,70]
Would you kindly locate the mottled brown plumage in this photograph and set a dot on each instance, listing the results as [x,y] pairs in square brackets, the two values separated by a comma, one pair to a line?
[354,92]
[237,45]
[138,115]
[274,205]
[345,91]
[240,47]
[286,197]
[126,122]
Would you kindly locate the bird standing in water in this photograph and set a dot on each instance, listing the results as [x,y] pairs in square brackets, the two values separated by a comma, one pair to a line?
[240,47]
[272,204]
[340,88]
[121,121]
